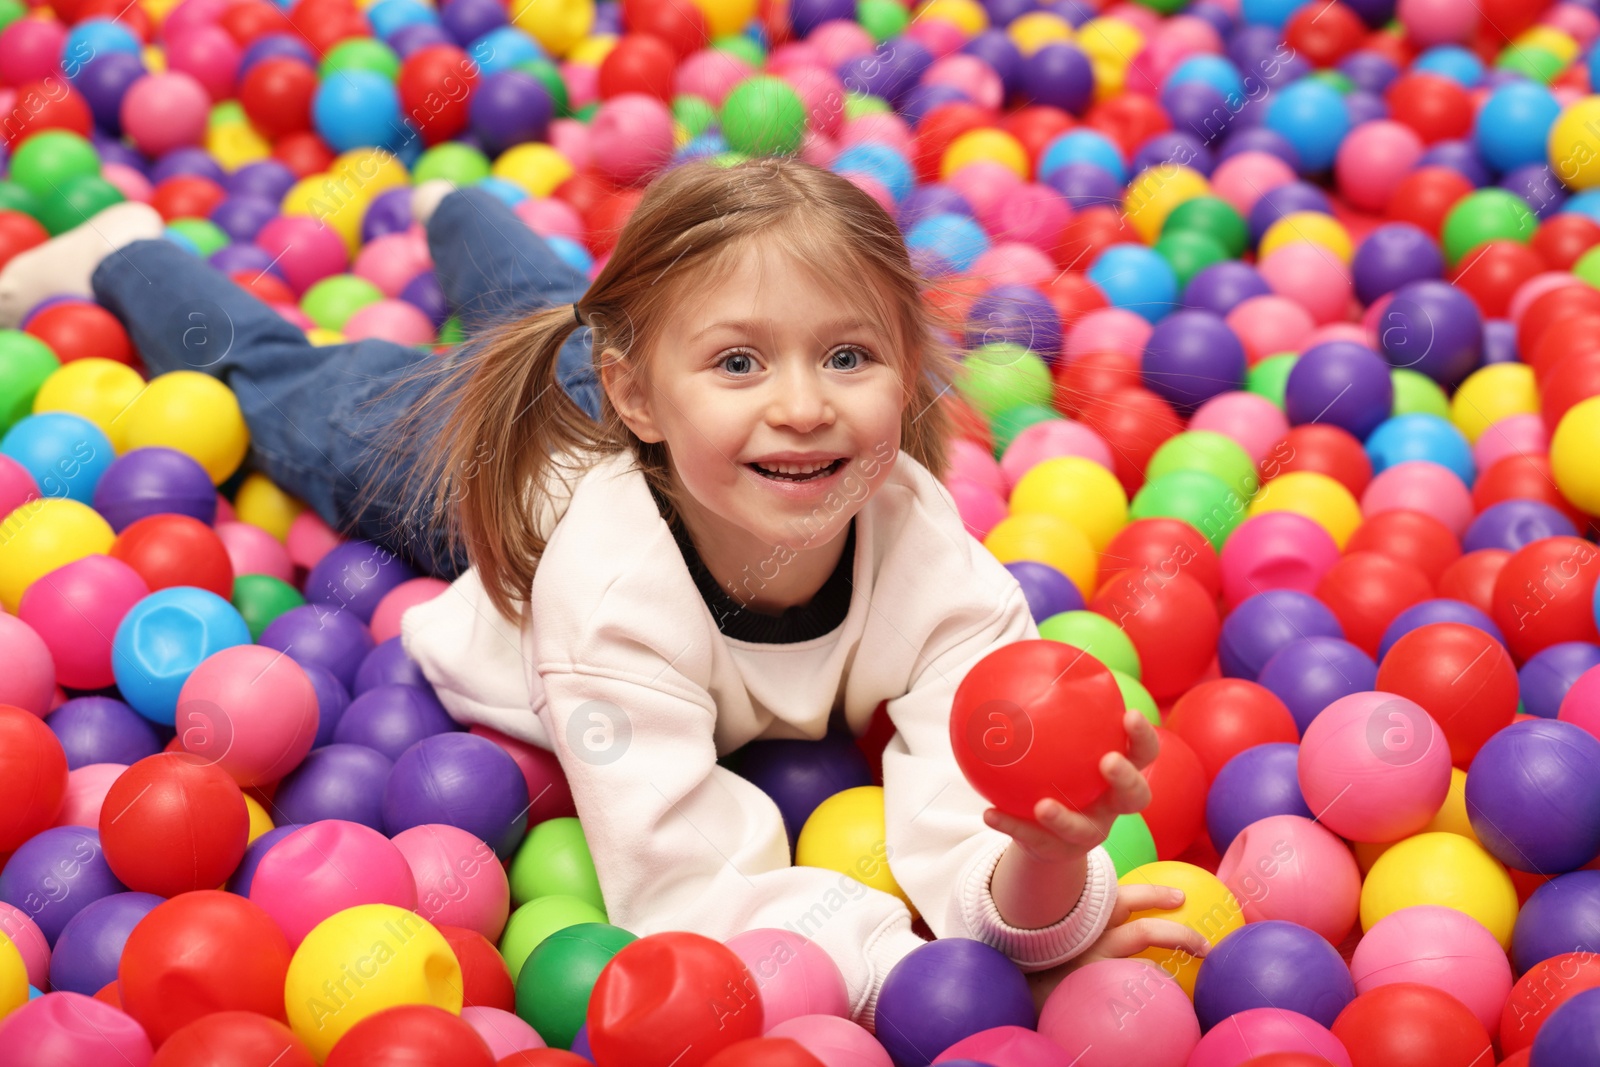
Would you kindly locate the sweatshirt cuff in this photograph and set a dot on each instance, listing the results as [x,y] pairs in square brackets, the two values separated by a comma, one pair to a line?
[1036,950]
[893,943]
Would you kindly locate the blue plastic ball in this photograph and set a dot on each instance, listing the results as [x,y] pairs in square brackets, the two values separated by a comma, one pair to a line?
[1314,118]
[1513,125]
[163,638]
[1083,146]
[1136,278]
[1424,437]
[66,454]
[357,109]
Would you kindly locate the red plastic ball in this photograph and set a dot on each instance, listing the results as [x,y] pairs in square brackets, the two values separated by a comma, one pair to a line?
[1032,720]
[1409,537]
[1425,196]
[1078,381]
[1435,107]
[1221,718]
[765,1052]
[246,20]
[1523,477]
[187,196]
[1545,595]
[264,286]
[411,1035]
[1405,1024]
[1287,1059]
[169,550]
[1139,422]
[1166,546]
[543,1057]
[234,1039]
[1178,785]
[1036,126]
[1545,312]
[939,128]
[1172,622]
[639,63]
[1492,273]
[485,978]
[1073,296]
[33,776]
[135,18]
[1090,233]
[682,27]
[1461,676]
[968,423]
[49,104]
[1570,337]
[1324,33]
[1562,239]
[436,85]
[303,153]
[672,1000]
[199,954]
[1365,591]
[324,23]
[1569,383]
[276,94]
[173,823]
[609,215]
[1471,578]
[1546,986]
[18,233]
[1323,449]
[1129,119]
[80,330]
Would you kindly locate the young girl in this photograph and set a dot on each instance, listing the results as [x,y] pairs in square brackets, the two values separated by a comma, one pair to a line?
[748,542]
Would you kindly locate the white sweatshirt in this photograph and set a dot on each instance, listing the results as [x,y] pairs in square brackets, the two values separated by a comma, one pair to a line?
[624,674]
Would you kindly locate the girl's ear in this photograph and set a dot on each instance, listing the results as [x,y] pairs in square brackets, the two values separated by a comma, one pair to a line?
[623,381]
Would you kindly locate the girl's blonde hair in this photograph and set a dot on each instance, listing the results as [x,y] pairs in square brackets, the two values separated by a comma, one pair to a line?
[509,421]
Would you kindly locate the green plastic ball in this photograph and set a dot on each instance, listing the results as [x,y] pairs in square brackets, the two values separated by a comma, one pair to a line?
[882,19]
[226,113]
[451,333]
[536,920]
[330,302]
[1486,215]
[1202,500]
[1270,377]
[460,164]
[360,53]
[1097,636]
[585,114]
[1163,7]
[858,104]
[1130,843]
[1536,64]
[205,235]
[1136,696]
[558,978]
[11,11]
[1214,217]
[260,598]
[1588,266]
[1333,79]
[763,116]
[727,159]
[50,159]
[554,860]
[545,73]
[1418,394]
[76,201]
[737,44]
[1002,375]
[1210,453]
[1188,252]
[25,362]
[694,113]
[1012,421]
[14,197]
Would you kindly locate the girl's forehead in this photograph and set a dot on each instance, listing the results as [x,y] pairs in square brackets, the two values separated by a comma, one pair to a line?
[770,284]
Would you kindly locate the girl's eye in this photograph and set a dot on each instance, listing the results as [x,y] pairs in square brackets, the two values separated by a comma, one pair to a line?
[860,353]
[734,362]
[739,363]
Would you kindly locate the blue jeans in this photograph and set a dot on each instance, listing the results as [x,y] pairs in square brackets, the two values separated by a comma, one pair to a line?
[315,413]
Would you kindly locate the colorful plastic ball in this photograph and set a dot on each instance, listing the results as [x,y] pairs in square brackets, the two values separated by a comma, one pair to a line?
[233,1039]
[1403,1024]
[1546,986]
[1546,829]
[1578,430]
[1544,595]
[1341,383]
[175,550]
[458,780]
[163,638]
[391,718]
[1286,867]
[459,881]
[414,1031]
[325,867]
[74,611]
[1374,766]
[1164,548]
[1137,279]
[1264,624]
[1313,672]
[161,112]
[957,988]
[1433,328]
[1271,963]
[152,481]
[1316,496]
[172,824]
[66,454]
[314,635]
[795,977]
[1208,909]
[559,976]
[335,782]
[1172,623]
[1257,783]
[85,956]
[57,1029]
[799,775]
[1221,718]
[1462,677]
[1445,869]
[1252,1037]
[1456,608]
[97,729]
[1561,916]
[1191,357]
[1276,550]
[65,862]
[34,776]
[1075,489]
[195,414]
[1569,1033]
[1162,1031]
[1439,947]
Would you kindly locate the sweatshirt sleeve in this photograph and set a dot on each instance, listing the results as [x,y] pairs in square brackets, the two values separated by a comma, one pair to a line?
[941,851]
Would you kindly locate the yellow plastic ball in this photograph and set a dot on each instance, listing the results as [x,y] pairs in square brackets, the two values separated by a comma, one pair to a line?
[534,167]
[1078,490]
[1036,29]
[1153,195]
[1047,539]
[1451,818]
[261,503]
[98,389]
[1314,227]
[366,172]
[846,833]
[968,15]
[155,59]
[1110,78]
[13,977]
[195,414]
[1318,497]
[1110,38]
[1208,909]
[1574,144]
[158,10]
[559,24]
[725,17]
[1492,393]
[1573,448]
[592,51]
[995,146]
[43,534]
[364,960]
[236,144]
[321,336]
[1444,869]
[1552,40]
[260,821]
[337,205]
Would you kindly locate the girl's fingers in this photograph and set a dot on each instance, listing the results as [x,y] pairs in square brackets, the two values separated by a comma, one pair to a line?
[1143,743]
[1140,897]
[1030,835]
[1130,791]
[1134,937]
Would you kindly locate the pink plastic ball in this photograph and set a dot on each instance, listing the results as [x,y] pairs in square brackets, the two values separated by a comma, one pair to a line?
[1049,440]
[1417,485]
[1116,1012]
[1258,1031]
[1013,263]
[872,187]
[984,183]
[571,138]
[1140,18]
[791,56]
[940,38]
[305,250]
[1534,288]
[250,710]
[1341,331]
[1251,421]
[390,320]
[823,94]
[1036,217]
[129,182]
[324,867]
[1275,550]
[1107,330]
[16,486]
[309,540]
[192,13]
[1005,1046]
[795,976]
[878,128]
[710,74]
[1196,34]
[1288,867]
[632,137]
[459,880]
[1440,947]
[970,75]
[225,513]
[70,1028]
[209,55]
[836,1042]
[254,551]
[818,149]
[25,934]
[1310,277]
[390,262]
[161,112]
[30,50]
[1581,25]
[294,316]
[1514,435]
[395,603]
[75,610]
[29,678]
[1243,179]
[1433,22]
[86,792]
[1374,767]
[1581,705]
[1270,325]
[980,509]
[583,84]
[549,217]
[1373,159]
[971,462]
[840,39]
[502,1031]
[541,770]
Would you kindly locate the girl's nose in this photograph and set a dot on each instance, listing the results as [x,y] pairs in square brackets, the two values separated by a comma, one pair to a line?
[800,400]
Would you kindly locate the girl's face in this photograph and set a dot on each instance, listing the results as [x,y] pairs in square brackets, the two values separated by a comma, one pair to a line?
[769,373]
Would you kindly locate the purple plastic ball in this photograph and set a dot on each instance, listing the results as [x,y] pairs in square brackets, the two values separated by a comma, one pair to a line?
[947,990]
[996,48]
[459,780]
[332,699]
[389,212]
[1223,286]
[243,257]
[467,20]
[1363,107]
[1373,12]
[1536,184]
[1533,796]
[272,46]
[241,217]
[113,151]
[1500,342]
[388,664]
[194,162]
[414,37]
[1257,138]
[1459,156]
[1544,680]
[1283,200]
[1260,781]
[608,20]
[798,775]
[327,637]
[1192,356]
[1561,916]
[1341,383]
[890,71]
[86,955]
[391,718]
[1431,611]
[1018,314]
[154,481]
[921,99]
[1433,328]
[245,874]
[267,179]
[1369,70]
[1273,964]
[580,1043]
[1394,255]
[425,293]
[935,198]
[1262,625]
[1571,1034]
[1005,12]
[1059,75]
[97,729]
[1199,108]
[102,83]
[1179,149]
[355,576]
[509,108]
[335,782]
[1084,185]
[1511,524]
[807,15]
[1049,592]
[55,874]
[1313,672]
[1214,15]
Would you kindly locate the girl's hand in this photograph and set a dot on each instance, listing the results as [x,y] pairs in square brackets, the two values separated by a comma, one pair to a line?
[1060,833]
